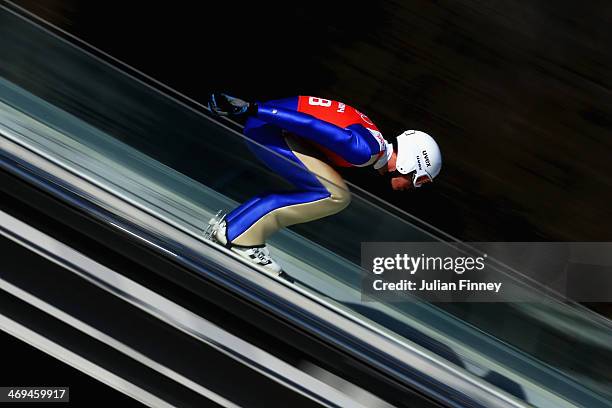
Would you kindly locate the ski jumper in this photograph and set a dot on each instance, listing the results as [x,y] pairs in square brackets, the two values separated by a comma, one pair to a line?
[304,137]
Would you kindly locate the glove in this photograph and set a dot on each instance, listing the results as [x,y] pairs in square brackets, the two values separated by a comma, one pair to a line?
[225,105]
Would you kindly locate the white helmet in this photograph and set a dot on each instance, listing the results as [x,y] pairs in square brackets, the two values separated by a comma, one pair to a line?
[419,153]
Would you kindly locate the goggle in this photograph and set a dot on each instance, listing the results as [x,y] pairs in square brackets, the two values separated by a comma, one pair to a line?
[417,179]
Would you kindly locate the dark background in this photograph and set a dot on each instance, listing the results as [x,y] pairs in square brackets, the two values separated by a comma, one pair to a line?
[26,366]
[516,92]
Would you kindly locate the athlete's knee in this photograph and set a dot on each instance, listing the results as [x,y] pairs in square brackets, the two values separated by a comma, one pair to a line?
[340,198]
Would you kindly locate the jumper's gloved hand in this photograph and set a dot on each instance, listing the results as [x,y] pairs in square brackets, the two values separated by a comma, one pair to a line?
[225,105]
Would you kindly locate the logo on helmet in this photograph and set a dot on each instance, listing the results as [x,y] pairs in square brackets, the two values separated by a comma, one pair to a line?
[427,162]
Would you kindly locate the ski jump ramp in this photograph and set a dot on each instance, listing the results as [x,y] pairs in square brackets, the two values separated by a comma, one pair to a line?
[172,166]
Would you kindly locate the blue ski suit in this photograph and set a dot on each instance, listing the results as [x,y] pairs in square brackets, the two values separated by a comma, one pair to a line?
[303,138]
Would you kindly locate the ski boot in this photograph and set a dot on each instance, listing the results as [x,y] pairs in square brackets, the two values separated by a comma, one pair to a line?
[259,255]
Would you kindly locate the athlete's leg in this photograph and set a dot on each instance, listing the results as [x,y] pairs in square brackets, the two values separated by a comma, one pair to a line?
[279,158]
[315,196]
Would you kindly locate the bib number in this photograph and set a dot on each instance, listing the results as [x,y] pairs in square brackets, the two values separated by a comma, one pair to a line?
[319,102]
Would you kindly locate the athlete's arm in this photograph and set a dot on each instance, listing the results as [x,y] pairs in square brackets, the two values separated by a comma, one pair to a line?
[349,143]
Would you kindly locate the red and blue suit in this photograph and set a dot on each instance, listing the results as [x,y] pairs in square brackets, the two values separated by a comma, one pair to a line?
[301,139]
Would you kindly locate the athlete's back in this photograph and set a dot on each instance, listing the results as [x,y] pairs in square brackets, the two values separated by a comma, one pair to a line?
[345,135]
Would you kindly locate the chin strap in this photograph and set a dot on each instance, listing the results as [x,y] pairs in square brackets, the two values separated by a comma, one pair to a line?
[385,157]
